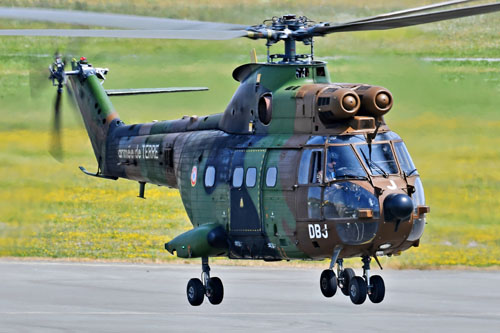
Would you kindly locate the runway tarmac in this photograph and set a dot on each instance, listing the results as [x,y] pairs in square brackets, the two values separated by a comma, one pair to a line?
[96,297]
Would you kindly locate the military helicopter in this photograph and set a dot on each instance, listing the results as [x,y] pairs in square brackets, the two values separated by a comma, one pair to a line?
[296,167]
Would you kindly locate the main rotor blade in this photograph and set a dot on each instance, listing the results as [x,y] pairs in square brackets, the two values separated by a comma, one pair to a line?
[412,10]
[147,91]
[152,34]
[406,21]
[111,20]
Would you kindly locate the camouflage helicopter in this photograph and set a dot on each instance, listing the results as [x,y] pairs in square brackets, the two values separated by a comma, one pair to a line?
[296,167]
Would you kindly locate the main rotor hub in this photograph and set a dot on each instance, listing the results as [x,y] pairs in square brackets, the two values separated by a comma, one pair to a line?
[288,28]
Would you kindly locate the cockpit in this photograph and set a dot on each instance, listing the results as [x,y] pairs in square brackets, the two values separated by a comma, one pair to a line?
[329,174]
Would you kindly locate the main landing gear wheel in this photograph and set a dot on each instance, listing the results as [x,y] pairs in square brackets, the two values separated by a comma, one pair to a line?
[195,292]
[357,290]
[377,289]
[215,290]
[211,287]
[345,278]
[328,283]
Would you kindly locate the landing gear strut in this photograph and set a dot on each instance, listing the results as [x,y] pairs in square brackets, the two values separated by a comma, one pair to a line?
[328,280]
[356,287]
[208,286]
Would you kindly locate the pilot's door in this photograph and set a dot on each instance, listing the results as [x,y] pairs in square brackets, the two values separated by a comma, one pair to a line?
[246,192]
[310,179]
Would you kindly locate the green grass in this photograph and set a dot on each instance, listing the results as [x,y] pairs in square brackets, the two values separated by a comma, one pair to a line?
[447,113]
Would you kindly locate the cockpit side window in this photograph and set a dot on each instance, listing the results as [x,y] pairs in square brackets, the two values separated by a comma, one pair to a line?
[316,169]
[404,159]
[311,167]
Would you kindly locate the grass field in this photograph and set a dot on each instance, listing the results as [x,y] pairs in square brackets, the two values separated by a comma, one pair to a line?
[446,111]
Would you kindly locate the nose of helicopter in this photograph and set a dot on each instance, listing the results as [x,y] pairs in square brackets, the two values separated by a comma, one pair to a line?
[397,207]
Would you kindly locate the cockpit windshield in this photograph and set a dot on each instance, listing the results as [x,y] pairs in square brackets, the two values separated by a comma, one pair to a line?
[342,162]
[380,160]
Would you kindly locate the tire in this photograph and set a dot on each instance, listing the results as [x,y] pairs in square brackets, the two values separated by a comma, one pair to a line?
[347,274]
[378,289]
[357,290]
[328,283]
[215,290]
[195,292]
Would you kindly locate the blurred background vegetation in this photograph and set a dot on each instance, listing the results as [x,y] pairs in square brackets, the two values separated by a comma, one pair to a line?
[445,78]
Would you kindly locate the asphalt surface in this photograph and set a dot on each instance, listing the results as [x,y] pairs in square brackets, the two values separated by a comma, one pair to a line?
[95,297]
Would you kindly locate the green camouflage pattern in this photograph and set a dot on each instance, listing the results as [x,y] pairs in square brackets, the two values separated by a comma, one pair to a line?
[237,171]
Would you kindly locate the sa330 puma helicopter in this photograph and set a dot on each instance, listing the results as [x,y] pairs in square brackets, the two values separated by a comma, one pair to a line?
[296,167]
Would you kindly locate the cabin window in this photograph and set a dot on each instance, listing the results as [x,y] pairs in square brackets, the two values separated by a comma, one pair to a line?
[210,176]
[265,108]
[271,176]
[238,177]
[251,177]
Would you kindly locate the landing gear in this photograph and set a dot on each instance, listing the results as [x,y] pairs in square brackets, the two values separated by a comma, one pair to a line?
[210,287]
[375,284]
[328,280]
[345,277]
[356,287]
[328,283]
[377,289]
[215,290]
[357,290]
[195,292]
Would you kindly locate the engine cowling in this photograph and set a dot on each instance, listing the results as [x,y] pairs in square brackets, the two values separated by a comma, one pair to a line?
[336,104]
[375,101]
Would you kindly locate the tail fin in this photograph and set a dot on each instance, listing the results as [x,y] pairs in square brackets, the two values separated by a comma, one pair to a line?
[97,111]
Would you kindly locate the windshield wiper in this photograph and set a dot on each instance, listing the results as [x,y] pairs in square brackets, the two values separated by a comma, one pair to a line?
[372,163]
[351,176]
[410,173]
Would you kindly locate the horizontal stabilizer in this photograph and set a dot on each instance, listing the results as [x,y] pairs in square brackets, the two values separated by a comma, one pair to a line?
[145,91]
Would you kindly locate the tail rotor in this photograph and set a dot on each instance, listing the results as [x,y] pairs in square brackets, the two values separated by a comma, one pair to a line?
[59,80]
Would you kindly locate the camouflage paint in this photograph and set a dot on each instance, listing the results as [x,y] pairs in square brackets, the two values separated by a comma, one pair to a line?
[260,221]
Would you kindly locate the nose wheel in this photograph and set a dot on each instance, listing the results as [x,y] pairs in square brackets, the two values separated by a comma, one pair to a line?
[377,289]
[328,283]
[345,277]
[356,287]
[211,287]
